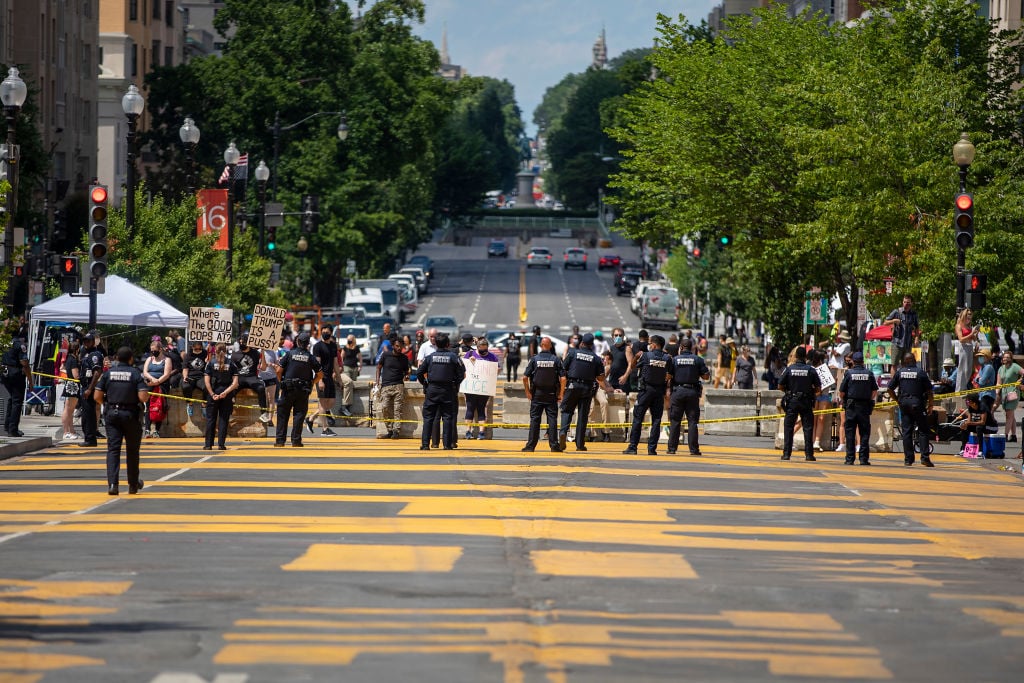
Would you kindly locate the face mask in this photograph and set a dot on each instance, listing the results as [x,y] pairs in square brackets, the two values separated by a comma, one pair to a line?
[618,340]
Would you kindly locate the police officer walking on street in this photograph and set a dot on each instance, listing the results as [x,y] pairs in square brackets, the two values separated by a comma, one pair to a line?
[653,367]
[583,369]
[857,393]
[92,368]
[298,372]
[801,383]
[16,375]
[124,389]
[544,380]
[687,371]
[915,401]
[440,373]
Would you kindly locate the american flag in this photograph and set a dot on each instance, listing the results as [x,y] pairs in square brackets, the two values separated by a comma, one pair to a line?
[241,170]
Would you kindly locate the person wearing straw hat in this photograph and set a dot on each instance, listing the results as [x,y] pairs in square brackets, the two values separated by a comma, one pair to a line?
[946,382]
[839,350]
[984,376]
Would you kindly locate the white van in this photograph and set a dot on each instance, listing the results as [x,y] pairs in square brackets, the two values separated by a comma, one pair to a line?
[369,299]
[639,290]
[660,306]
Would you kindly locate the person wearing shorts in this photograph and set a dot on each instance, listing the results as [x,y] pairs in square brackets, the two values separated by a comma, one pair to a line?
[326,351]
[476,404]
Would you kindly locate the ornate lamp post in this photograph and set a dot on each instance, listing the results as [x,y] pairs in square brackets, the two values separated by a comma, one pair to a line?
[189,134]
[963,156]
[231,155]
[132,104]
[262,176]
[13,92]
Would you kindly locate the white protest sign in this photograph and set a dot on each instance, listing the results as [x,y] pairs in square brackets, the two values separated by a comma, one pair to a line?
[209,324]
[481,377]
[827,380]
[267,324]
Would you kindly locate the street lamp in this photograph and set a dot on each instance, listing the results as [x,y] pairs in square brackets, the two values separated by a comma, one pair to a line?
[231,155]
[189,134]
[132,104]
[13,92]
[262,176]
[277,129]
[963,156]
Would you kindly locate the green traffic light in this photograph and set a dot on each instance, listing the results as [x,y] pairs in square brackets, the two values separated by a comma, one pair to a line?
[724,239]
[271,246]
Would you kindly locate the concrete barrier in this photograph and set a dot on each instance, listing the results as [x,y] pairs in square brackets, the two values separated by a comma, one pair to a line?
[516,411]
[882,420]
[725,403]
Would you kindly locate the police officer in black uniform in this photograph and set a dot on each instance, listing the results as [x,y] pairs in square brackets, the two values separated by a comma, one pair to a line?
[92,368]
[801,383]
[16,375]
[857,393]
[687,371]
[583,370]
[440,373]
[298,372]
[652,366]
[124,389]
[248,360]
[915,401]
[544,380]
[193,367]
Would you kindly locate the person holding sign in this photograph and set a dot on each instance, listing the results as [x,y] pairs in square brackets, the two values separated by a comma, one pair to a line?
[440,373]
[544,381]
[298,371]
[476,404]
[221,384]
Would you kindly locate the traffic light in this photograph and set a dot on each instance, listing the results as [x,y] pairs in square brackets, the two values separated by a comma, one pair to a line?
[70,275]
[974,290]
[963,220]
[696,253]
[98,234]
[59,225]
[310,213]
[724,241]
[271,237]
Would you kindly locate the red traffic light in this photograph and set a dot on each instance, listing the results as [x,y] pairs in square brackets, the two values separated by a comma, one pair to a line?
[964,202]
[696,252]
[99,194]
[70,265]
[974,281]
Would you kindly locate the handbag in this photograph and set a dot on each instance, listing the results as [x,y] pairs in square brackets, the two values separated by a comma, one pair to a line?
[1012,396]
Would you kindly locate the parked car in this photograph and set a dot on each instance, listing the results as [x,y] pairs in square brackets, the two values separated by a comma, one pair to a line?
[362,335]
[419,274]
[630,265]
[497,249]
[539,256]
[626,281]
[445,324]
[660,306]
[608,261]
[574,257]
[424,262]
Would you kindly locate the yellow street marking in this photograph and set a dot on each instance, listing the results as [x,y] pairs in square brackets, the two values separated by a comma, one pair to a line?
[58,590]
[326,557]
[1012,623]
[19,678]
[611,565]
[28,609]
[29,661]
[30,500]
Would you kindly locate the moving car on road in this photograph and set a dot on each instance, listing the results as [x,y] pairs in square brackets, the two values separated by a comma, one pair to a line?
[444,324]
[424,262]
[574,257]
[608,261]
[539,256]
[497,249]
[626,281]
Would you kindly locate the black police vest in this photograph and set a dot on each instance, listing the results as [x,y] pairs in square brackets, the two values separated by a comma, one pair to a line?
[441,368]
[120,385]
[545,376]
[687,368]
[860,384]
[581,366]
[299,365]
[801,379]
[654,366]
[92,361]
[912,383]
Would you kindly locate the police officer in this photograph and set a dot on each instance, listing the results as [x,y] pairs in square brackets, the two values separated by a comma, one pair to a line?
[801,383]
[857,393]
[652,367]
[248,362]
[440,373]
[687,371]
[544,381]
[16,375]
[583,369]
[193,367]
[124,389]
[298,372]
[92,368]
[915,401]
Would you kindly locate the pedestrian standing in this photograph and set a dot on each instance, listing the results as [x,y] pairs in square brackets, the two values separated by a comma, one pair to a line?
[72,389]
[633,351]
[544,382]
[905,328]
[723,369]
[392,371]
[967,335]
[326,351]
[92,368]
[351,366]
[249,361]
[16,376]
[124,389]
[620,361]
[268,375]
[533,346]
[222,381]
[1009,397]
[440,373]
[156,371]
[687,371]
[193,373]
[912,388]
[801,383]
[428,347]
[513,357]
[652,373]
[476,404]
[857,395]
[599,406]
[583,371]
[743,375]
[298,372]
[672,346]
[600,345]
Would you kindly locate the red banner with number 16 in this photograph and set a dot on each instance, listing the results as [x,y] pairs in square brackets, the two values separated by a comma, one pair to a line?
[214,216]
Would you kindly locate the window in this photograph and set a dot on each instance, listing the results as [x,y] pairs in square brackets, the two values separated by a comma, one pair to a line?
[168,12]
[133,10]
[135,59]
[156,53]
[156,9]
[168,55]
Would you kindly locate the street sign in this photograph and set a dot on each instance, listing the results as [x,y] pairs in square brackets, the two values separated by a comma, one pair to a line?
[274,215]
[862,307]
[350,267]
[815,312]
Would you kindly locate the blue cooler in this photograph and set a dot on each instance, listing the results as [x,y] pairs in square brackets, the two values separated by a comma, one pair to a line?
[995,446]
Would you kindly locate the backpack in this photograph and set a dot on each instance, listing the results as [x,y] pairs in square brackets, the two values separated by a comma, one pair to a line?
[726,356]
[157,405]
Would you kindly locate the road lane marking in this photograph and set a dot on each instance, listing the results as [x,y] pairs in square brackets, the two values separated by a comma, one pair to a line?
[611,565]
[333,557]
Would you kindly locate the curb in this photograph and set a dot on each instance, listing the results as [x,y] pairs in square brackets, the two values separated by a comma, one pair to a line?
[13,448]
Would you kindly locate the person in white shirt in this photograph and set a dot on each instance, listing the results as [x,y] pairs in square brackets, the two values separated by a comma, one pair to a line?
[839,351]
[427,347]
[600,345]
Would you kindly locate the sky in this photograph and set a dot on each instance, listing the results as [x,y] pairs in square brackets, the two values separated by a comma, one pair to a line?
[535,43]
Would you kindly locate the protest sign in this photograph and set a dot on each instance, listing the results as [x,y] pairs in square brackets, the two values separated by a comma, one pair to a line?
[267,324]
[825,375]
[209,324]
[481,378]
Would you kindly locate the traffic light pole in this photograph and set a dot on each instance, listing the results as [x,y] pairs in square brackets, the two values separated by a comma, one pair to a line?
[961,254]
[92,303]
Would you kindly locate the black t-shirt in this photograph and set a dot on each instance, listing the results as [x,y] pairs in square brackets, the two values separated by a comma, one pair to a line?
[121,384]
[327,354]
[220,376]
[350,356]
[512,348]
[71,363]
[196,362]
[393,369]
[247,362]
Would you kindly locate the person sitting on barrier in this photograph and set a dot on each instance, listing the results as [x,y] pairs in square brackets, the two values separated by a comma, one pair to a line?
[192,373]
[977,421]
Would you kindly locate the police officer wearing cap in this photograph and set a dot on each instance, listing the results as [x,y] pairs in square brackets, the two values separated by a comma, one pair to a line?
[544,381]
[653,366]
[686,372]
[298,372]
[583,370]
[124,389]
[857,393]
[16,375]
[440,373]
[92,368]
[915,400]
[801,383]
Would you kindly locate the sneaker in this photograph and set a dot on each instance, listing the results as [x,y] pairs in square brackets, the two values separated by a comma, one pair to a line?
[189,410]
[309,424]
[264,418]
[817,446]
[155,434]
[346,412]
[469,433]
[841,448]
[147,434]
[328,432]
[480,436]
[330,421]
